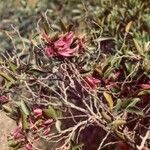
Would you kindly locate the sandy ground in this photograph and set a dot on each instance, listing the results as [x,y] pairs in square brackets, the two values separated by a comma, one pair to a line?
[6,126]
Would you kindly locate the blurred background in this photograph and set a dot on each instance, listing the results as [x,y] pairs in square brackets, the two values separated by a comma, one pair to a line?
[110,17]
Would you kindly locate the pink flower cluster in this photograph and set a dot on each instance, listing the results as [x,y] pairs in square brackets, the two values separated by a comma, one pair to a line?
[66,45]
[40,122]
[18,138]
[17,133]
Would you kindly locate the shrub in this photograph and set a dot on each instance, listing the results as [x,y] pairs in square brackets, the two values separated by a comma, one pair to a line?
[79,89]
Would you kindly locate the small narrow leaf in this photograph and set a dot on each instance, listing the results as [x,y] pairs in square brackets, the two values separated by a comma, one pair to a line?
[104,39]
[106,117]
[7,77]
[108,99]
[118,105]
[145,92]
[133,102]
[118,122]
[58,125]
[12,66]
[120,134]
[24,107]
[50,112]
[138,47]
[125,103]
[14,144]
[128,26]
[24,120]
[135,110]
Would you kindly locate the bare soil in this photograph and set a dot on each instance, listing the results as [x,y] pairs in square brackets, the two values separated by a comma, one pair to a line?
[6,126]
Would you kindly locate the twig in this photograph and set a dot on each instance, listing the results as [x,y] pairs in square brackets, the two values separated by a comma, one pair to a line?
[144,140]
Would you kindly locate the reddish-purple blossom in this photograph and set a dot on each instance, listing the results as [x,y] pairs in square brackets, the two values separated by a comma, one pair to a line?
[17,133]
[92,82]
[50,51]
[145,86]
[65,46]
[48,122]
[3,99]
[37,112]
[28,147]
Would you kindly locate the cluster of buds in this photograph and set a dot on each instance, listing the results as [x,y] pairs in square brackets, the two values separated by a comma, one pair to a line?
[17,139]
[39,121]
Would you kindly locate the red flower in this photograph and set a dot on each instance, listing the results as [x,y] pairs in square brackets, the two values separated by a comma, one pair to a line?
[37,112]
[92,82]
[62,46]
[50,52]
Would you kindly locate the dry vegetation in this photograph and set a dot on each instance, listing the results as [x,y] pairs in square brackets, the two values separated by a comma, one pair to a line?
[75,74]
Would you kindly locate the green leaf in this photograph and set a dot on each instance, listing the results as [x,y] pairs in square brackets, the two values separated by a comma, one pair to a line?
[7,77]
[12,66]
[128,67]
[118,122]
[118,105]
[104,39]
[145,92]
[6,109]
[138,47]
[133,102]
[24,107]
[77,147]
[108,72]
[129,102]
[120,134]
[106,117]
[24,120]
[125,103]
[134,110]
[14,144]
[108,99]
[50,112]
